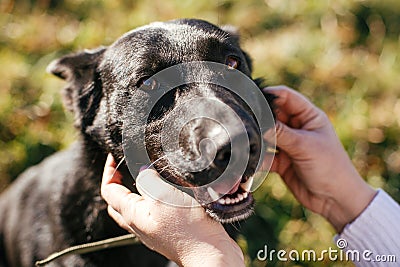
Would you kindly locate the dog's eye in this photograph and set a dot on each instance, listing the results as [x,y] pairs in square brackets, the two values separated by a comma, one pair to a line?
[232,62]
[148,83]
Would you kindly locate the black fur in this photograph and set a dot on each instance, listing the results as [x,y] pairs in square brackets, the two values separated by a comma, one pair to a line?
[57,203]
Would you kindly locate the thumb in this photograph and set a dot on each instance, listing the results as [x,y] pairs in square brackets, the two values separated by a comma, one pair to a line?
[286,138]
[150,184]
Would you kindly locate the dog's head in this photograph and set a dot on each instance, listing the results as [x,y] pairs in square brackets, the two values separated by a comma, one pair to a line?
[102,82]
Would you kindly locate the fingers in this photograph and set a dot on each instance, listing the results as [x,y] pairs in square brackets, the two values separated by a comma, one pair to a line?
[117,217]
[110,174]
[293,108]
[290,100]
[297,117]
[120,198]
[150,184]
[285,137]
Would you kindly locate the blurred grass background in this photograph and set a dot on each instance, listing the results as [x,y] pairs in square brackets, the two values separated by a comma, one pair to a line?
[344,55]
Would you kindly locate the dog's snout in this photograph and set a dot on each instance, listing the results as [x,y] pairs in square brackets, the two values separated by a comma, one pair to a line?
[226,153]
[223,157]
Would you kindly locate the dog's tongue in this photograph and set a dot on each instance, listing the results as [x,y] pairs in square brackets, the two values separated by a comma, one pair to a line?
[235,187]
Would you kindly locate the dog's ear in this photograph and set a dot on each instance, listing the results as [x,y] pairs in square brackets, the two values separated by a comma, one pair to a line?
[83,91]
[235,36]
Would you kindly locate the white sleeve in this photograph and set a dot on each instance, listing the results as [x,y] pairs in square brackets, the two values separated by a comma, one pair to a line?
[374,235]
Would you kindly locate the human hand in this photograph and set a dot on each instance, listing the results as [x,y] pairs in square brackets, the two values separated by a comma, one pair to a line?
[187,236]
[313,162]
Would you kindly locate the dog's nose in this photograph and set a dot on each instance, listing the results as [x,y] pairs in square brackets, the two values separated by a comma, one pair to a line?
[227,154]
[223,157]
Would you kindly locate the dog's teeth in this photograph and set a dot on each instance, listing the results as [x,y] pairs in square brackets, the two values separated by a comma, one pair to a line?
[214,195]
[227,201]
[246,186]
[245,195]
[236,200]
[221,201]
[240,196]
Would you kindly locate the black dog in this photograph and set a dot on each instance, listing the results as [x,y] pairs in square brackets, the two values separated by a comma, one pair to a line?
[57,203]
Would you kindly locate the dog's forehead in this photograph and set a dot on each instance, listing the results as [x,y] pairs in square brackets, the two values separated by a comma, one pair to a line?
[178,36]
[179,32]
[148,49]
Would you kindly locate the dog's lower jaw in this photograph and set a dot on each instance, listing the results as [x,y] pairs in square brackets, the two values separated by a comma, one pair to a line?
[229,214]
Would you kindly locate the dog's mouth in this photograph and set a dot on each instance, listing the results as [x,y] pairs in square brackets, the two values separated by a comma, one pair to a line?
[222,202]
[233,206]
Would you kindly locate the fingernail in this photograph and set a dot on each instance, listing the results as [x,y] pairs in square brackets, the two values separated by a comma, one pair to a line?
[149,182]
[147,175]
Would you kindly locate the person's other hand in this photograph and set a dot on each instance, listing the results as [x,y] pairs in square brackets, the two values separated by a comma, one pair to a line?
[187,236]
[313,162]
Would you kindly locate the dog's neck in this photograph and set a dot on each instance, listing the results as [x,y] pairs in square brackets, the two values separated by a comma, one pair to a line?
[94,222]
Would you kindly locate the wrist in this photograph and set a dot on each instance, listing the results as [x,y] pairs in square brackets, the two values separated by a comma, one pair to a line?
[349,202]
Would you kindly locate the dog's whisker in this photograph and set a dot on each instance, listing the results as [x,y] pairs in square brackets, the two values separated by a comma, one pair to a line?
[120,162]
[152,164]
[234,226]
[163,169]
